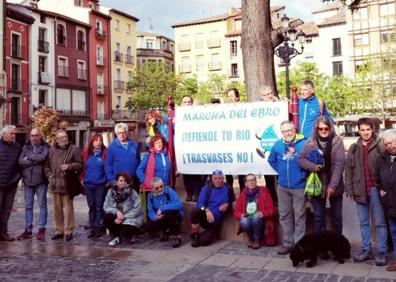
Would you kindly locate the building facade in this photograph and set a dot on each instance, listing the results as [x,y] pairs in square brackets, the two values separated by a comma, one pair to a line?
[123,57]
[153,47]
[3,99]
[16,46]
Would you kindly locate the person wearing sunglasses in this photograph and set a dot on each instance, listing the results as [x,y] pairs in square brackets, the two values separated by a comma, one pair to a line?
[331,147]
[164,211]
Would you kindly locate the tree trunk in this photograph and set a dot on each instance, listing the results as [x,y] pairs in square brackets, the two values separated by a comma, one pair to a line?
[257,47]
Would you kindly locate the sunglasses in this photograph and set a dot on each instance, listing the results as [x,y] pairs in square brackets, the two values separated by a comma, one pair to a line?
[158,187]
[323,128]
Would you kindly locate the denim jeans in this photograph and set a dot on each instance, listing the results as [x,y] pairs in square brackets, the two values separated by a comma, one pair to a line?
[252,226]
[95,198]
[392,229]
[41,192]
[319,205]
[373,206]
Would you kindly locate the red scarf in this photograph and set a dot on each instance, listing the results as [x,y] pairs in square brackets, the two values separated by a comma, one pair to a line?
[150,169]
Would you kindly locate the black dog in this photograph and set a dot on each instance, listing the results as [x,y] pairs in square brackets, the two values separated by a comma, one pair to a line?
[312,245]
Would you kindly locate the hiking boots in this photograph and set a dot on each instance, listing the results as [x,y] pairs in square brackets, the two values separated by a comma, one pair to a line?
[363,255]
[25,235]
[177,242]
[195,240]
[41,234]
[380,259]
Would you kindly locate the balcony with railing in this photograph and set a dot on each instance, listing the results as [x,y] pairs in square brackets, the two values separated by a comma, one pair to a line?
[43,46]
[2,81]
[74,113]
[184,46]
[118,57]
[63,71]
[17,85]
[214,43]
[129,59]
[100,60]
[44,77]
[100,33]
[185,68]
[82,74]
[125,115]
[81,45]
[18,51]
[100,89]
[118,85]
[214,66]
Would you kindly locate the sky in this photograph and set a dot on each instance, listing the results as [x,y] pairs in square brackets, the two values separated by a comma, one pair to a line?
[162,14]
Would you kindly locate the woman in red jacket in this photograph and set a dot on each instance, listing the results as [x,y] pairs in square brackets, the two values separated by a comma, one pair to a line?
[255,211]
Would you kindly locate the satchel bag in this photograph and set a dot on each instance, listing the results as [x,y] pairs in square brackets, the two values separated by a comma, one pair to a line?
[313,186]
[72,179]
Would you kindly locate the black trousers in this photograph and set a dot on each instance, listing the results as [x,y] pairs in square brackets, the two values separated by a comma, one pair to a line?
[171,221]
[241,181]
[119,230]
[193,183]
[206,237]
[7,195]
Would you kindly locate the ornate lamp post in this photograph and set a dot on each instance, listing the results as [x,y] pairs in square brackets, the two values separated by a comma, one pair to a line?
[286,51]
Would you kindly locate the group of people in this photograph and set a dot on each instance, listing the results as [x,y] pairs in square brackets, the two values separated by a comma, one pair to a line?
[113,177]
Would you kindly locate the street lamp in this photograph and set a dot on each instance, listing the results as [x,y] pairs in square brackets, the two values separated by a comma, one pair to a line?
[286,51]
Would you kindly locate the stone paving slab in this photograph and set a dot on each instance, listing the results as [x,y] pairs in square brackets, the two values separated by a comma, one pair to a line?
[87,260]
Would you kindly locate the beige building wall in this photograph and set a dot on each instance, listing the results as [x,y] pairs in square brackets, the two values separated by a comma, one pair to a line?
[201,49]
[123,56]
[371,29]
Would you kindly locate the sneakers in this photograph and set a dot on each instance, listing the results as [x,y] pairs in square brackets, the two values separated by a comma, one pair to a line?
[25,235]
[165,236]
[6,237]
[391,267]
[92,234]
[195,240]
[284,250]
[57,237]
[363,255]
[40,234]
[177,242]
[114,242]
[256,245]
[380,259]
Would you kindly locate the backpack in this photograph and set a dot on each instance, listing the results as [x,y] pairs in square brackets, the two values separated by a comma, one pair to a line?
[231,195]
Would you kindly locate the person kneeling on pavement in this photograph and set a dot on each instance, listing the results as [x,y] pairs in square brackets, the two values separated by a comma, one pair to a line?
[254,209]
[213,201]
[123,214]
[164,211]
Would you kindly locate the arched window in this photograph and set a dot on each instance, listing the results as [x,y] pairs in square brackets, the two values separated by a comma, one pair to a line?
[60,34]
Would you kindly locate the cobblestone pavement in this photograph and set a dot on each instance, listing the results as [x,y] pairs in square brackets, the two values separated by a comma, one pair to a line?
[86,260]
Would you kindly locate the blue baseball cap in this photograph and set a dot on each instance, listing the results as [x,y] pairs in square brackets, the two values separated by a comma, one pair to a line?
[217,172]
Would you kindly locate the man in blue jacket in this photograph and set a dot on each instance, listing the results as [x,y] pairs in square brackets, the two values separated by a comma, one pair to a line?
[291,182]
[123,155]
[309,108]
[213,201]
[164,211]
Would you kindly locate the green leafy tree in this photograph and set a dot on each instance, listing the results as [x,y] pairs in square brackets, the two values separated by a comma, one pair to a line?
[376,81]
[187,86]
[338,91]
[151,85]
[215,86]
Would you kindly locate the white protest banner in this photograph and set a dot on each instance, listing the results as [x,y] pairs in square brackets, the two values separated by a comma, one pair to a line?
[236,138]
